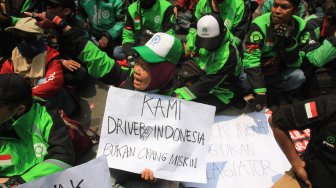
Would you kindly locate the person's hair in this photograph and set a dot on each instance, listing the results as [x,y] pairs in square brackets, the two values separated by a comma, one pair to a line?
[15,90]
[295,3]
[331,12]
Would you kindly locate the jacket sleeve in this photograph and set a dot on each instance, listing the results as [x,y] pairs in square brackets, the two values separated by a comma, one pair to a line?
[6,67]
[54,78]
[252,56]
[169,21]
[116,30]
[241,24]
[60,150]
[294,54]
[99,65]
[191,37]
[128,35]
[318,53]
[208,82]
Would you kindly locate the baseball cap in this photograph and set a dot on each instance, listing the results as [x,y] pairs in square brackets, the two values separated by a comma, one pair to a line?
[161,47]
[63,3]
[27,24]
[210,31]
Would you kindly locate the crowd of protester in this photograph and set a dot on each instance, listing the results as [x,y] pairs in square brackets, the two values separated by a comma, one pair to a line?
[274,54]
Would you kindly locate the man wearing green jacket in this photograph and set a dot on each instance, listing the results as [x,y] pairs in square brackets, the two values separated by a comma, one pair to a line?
[143,19]
[272,57]
[234,13]
[320,60]
[106,19]
[218,58]
[34,138]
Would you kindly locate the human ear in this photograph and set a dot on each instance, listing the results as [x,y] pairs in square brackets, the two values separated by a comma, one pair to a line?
[67,11]
[21,109]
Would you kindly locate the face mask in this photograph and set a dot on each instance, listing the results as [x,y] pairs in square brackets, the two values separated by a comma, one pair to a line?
[146,3]
[32,48]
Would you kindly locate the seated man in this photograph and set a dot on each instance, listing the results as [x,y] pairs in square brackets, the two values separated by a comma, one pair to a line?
[34,138]
[317,167]
[75,73]
[272,57]
[320,61]
[218,59]
[106,20]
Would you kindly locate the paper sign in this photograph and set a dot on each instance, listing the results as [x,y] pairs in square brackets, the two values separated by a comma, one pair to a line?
[243,153]
[168,135]
[79,176]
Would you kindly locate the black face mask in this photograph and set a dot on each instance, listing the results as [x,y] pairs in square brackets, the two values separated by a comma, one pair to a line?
[145,4]
[32,48]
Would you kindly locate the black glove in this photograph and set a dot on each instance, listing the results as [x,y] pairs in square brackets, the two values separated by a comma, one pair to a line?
[256,101]
[283,31]
[14,181]
[260,101]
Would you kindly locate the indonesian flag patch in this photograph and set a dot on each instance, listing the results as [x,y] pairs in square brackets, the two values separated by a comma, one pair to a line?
[5,159]
[311,110]
[269,43]
[137,20]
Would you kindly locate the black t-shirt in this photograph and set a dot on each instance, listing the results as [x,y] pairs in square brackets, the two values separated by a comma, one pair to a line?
[320,116]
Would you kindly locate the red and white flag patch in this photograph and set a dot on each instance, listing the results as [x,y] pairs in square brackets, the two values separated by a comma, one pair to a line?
[137,20]
[5,159]
[311,110]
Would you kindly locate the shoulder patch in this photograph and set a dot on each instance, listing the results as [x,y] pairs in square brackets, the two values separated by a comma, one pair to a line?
[256,37]
[311,110]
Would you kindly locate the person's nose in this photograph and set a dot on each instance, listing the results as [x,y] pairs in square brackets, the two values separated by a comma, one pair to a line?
[278,10]
[136,69]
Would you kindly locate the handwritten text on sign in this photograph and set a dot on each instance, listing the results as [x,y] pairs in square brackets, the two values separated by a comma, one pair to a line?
[243,153]
[75,177]
[168,135]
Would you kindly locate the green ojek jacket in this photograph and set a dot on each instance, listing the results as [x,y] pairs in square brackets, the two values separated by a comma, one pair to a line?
[220,68]
[158,18]
[261,45]
[233,13]
[320,50]
[36,145]
[105,17]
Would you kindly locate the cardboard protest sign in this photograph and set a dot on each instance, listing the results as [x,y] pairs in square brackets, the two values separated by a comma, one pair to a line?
[78,176]
[168,135]
[243,153]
